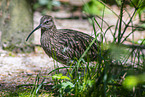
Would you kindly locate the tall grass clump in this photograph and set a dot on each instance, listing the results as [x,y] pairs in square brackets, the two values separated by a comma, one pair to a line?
[119,70]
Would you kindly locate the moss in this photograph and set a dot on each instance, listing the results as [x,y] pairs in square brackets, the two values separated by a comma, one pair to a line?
[18,23]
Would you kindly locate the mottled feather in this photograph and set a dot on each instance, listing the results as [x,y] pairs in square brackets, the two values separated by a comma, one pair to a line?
[64,45]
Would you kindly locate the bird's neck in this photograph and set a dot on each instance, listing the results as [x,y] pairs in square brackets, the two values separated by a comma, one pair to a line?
[48,36]
[50,31]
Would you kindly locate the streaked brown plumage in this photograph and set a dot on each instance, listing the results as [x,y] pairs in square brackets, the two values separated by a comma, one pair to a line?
[64,45]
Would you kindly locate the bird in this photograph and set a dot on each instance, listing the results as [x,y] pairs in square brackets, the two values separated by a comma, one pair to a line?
[65,45]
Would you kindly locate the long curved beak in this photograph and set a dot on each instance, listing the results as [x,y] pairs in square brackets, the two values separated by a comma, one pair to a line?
[33,31]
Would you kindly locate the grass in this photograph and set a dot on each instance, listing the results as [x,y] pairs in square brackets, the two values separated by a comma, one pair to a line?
[121,73]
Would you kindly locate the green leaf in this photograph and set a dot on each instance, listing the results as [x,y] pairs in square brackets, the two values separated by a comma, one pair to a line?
[67,84]
[57,76]
[130,82]
[60,76]
[43,2]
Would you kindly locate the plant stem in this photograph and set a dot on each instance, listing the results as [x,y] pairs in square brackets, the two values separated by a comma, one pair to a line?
[120,24]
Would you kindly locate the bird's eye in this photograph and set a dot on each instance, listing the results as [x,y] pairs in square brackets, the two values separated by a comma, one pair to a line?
[46,22]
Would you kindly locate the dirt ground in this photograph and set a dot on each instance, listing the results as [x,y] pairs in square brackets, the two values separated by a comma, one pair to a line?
[16,69]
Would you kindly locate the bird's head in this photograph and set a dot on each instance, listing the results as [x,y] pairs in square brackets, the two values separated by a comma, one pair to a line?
[46,22]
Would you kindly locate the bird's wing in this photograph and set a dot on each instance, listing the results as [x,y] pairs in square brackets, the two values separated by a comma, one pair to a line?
[75,43]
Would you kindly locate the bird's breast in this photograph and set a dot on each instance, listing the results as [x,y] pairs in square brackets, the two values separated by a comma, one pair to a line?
[46,43]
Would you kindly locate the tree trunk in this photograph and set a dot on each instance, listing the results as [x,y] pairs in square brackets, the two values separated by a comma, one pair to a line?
[16,22]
